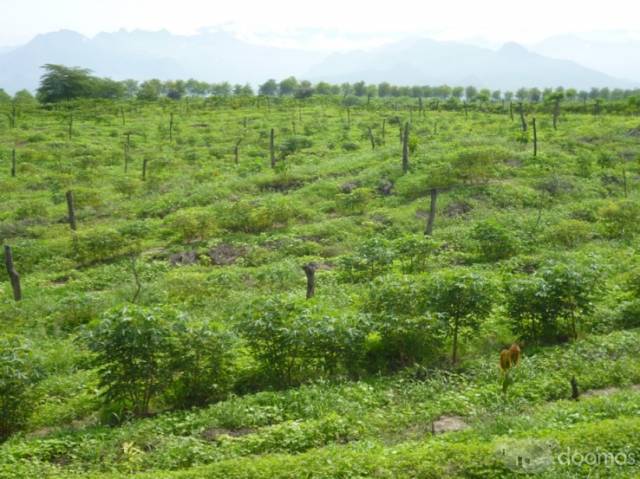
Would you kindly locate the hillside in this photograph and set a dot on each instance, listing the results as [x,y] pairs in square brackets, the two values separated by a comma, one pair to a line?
[609,53]
[219,56]
[215,56]
[182,263]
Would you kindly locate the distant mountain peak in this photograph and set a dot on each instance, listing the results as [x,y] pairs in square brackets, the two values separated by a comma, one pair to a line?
[513,48]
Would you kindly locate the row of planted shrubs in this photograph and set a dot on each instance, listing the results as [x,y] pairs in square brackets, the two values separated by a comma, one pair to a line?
[149,359]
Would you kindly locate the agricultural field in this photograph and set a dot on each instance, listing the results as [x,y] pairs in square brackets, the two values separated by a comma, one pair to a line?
[253,287]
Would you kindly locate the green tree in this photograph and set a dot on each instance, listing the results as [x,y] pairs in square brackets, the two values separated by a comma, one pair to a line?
[17,374]
[545,306]
[134,351]
[404,331]
[462,299]
[360,88]
[287,86]
[60,83]
[150,90]
[203,363]
[24,98]
[323,88]
[495,242]
[470,93]
[269,88]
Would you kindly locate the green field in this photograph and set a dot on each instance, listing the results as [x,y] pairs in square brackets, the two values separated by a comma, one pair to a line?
[184,275]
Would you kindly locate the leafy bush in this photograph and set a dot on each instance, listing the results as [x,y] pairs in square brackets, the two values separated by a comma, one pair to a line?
[462,299]
[404,333]
[135,350]
[569,233]
[203,363]
[17,373]
[495,242]
[190,224]
[293,340]
[99,244]
[546,306]
[620,219]
[413,250]
[371,258]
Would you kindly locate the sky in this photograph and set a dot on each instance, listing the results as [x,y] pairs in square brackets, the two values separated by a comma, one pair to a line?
[323,24]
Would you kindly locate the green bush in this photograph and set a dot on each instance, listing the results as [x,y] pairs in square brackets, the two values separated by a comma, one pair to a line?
[135,349]
[99,244]
[546,306]
[191,224]
[294,340]
[371,258]
[404,332]
[569,233]
[620,219]
[17,374]
[203,362]
[495,242]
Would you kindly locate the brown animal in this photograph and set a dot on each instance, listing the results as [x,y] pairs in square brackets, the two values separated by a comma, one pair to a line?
[510,357]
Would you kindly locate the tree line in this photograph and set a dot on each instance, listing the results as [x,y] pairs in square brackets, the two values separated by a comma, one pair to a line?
[62,83]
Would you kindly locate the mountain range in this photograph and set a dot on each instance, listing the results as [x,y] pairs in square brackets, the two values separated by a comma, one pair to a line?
[220,56]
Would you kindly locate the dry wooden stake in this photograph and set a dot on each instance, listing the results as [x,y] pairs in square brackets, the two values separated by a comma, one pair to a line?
[310,271]
[432,212]
[14,277]
[272,148]
[71,210]
[405,149]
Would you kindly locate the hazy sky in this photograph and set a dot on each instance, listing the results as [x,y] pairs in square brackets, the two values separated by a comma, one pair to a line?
[364,21]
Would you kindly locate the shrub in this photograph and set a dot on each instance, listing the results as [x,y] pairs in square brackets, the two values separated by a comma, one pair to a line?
[404,333]
[545,306]
[462,299]
[256,217]
[293,340]
[99,244]
[17,373]
[203,363]
[354,201]
[191,224]
[413,251]
[495,242]
[620,219]
[569,233]
[134,352]
[371,258]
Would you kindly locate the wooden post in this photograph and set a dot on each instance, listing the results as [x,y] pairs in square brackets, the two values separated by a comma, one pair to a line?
[384,121]
[466,113]
[405,148]
[272,148]
[122,115]
[535,138]
[13,274]
[171,127]
[511,110]
[70,125]
[236,151]
[127,145]
[13,163]
[71,210]
[372,139]
[144,169]
[310,271]
[575,391]
[523,121]
[432,212]
[556,113]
